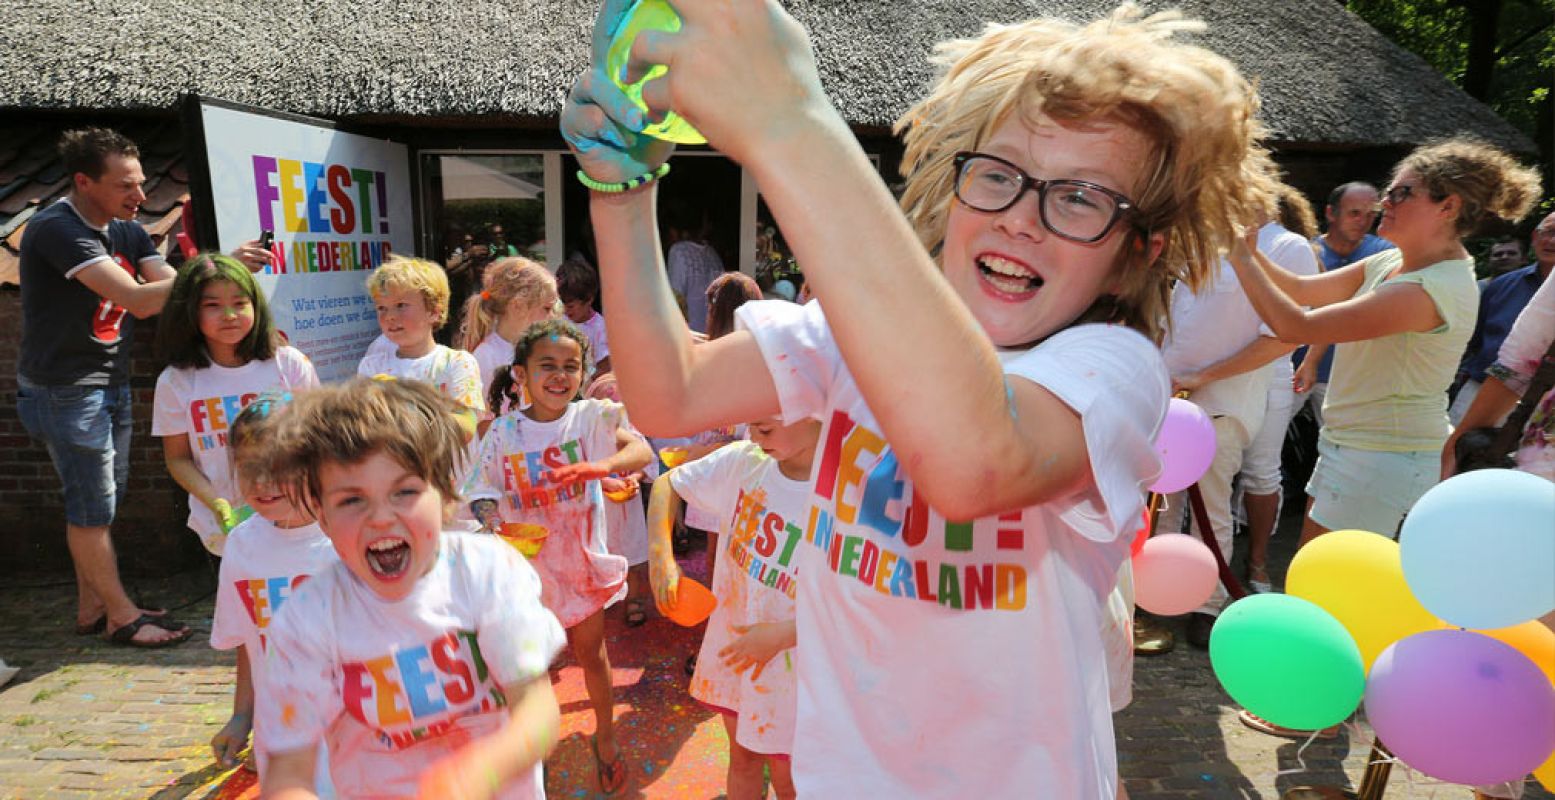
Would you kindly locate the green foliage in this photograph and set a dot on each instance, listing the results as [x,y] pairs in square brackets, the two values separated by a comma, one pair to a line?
[1438,31]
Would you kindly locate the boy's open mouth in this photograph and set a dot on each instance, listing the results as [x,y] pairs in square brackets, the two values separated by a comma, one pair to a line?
[389,557]
[1008,276]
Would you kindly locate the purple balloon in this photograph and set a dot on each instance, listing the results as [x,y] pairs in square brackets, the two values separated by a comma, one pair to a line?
[1461,707]
[1186,446]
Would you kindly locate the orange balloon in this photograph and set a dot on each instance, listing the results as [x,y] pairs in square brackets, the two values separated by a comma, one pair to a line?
[1546,773]
[1533,640]
[693,603]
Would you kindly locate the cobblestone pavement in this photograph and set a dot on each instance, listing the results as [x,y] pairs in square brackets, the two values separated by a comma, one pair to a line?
[86,719]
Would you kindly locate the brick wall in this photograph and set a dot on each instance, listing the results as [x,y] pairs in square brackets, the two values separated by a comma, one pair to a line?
[150,534]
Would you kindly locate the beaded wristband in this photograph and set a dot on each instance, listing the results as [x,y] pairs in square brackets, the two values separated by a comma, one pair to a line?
[625,186]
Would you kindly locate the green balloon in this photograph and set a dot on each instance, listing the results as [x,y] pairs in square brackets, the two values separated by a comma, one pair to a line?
[1288,661]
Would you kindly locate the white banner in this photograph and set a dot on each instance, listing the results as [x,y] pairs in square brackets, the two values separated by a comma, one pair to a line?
[338,204]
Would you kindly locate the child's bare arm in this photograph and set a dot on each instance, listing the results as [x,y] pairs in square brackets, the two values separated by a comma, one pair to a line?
[233,737]
[179,458]
[632,453]
[480,768]
[663,572]
[673,387]
[290,775]
[746,76]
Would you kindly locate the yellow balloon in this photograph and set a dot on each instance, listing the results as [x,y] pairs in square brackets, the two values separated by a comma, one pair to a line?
[1359,578]
[1533,640]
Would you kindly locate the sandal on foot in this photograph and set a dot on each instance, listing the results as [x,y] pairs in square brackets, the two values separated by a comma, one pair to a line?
[1262,725]
[636,613]
[612,776]
[101,625]
[1152,639]
[126,635]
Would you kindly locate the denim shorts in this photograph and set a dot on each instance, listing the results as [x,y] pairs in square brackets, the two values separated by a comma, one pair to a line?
[87,432]
[1368,490]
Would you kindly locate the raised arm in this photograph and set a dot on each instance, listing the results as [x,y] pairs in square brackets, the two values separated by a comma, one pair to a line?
[672,387]
[744,75]
[1388,310]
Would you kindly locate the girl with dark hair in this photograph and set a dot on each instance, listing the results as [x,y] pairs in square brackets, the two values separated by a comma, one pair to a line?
[547,466]
[222,351]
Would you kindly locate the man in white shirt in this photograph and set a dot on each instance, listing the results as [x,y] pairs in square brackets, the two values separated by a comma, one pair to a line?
[1215,352]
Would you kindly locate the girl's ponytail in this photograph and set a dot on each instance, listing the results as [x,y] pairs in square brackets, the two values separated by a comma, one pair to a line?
[479,320]
[504,392]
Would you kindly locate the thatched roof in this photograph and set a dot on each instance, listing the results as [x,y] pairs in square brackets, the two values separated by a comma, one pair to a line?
[1328,79]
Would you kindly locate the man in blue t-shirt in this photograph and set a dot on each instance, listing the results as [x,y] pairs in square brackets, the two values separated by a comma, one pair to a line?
[1501,299]
[1351,210]
[88,271]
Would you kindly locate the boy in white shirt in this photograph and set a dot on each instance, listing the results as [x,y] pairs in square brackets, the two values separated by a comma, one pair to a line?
[759,494]
[422,656]
[411,298]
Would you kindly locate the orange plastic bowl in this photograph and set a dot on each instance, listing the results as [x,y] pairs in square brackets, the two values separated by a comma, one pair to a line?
[621,496]
[673,456]
[693,603]
[525,537]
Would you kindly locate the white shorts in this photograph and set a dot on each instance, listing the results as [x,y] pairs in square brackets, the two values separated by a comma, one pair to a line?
[1368,490]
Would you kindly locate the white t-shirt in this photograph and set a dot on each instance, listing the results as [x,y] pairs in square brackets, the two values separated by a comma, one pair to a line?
[492,355]
[697,517]
[1294,255]
[454,373]
[761,515]
[966,659]
[262,566]
[691,267]
[577,570]
[397,686]
[203,402]
[1210,326]
[594,328]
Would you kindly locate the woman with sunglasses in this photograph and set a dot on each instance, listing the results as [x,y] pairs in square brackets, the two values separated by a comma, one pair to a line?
[986,446]
[1407,315]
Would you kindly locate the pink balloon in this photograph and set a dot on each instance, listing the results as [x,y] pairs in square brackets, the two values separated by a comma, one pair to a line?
[1186,446]
[1461,707]
[1174,574]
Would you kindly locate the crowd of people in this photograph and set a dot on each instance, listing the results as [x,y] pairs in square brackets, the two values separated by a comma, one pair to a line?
[1089,224]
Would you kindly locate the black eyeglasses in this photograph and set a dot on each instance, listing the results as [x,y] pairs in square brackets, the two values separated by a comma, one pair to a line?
[1079,211]
[1398,194]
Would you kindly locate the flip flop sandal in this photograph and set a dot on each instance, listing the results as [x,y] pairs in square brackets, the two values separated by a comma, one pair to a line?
[97,628]
[1262,725]
[125,636]
[612,776]
[636,613]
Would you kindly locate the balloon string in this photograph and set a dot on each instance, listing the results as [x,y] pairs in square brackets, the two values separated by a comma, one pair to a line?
[1301,763]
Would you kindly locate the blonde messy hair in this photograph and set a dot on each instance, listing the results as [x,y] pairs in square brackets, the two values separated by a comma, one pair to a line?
[1207,178]
[408,421]
[504,280]
[1489,182]
[399,274]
